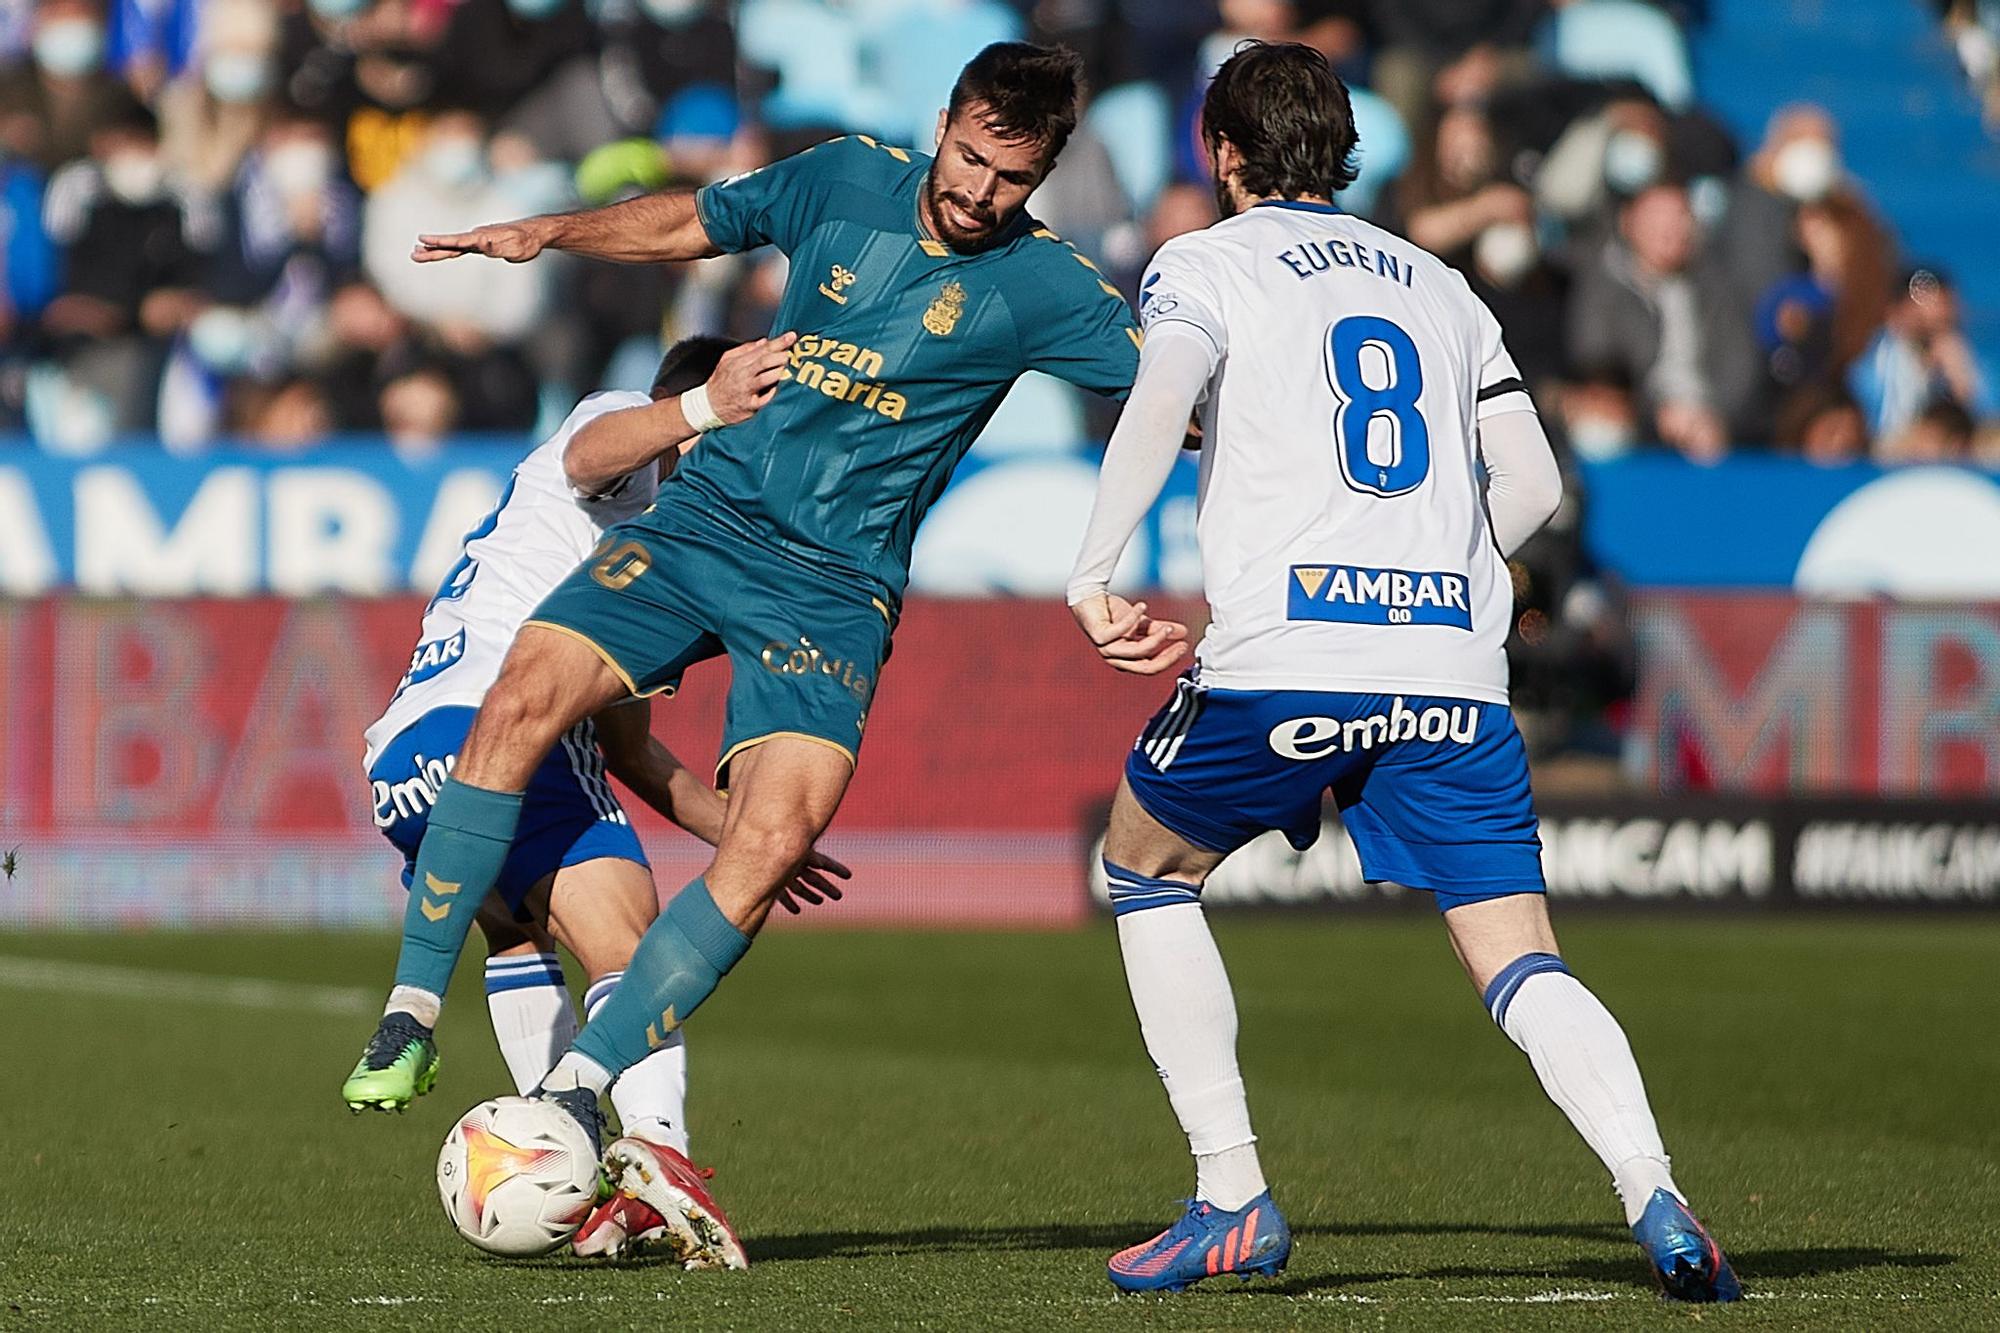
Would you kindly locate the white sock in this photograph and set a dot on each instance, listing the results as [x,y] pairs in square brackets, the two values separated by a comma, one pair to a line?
[415,1001]
[651,1096]
[1187,1015]
[1585,1064]
[577,1071]
[533,1020]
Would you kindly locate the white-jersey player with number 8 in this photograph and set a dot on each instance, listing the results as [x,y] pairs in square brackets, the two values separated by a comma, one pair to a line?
[1351,391]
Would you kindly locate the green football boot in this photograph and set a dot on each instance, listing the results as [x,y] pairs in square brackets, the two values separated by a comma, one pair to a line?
[399,1066]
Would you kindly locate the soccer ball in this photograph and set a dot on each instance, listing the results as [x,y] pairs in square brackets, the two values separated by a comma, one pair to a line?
[517,1176]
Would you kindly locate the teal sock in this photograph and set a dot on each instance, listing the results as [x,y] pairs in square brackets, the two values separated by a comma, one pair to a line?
[681,960]
[464,846]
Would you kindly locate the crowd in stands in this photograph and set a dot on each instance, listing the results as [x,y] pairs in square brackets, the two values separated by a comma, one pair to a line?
[1974,26]
[209,205]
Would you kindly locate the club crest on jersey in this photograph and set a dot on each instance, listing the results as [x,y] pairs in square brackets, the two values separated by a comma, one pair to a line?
[839,281]
[1352,595]
[942,316]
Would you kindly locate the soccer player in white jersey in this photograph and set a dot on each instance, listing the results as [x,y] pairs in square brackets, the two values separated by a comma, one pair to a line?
[575,872]
[1349,388]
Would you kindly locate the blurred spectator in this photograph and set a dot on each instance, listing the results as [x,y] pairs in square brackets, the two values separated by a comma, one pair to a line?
[1602,159]
[1450,51]
[448,186]
[1459,191]
[1656,310]
[1941,433]
[419,408]
[285,416]
[1920,359]
[31,263]
[1798,163]
[1824,424]
[365,69]
[1814,324]
[50,106]
[132,276]
[494,53]
[212,112]
[150,41]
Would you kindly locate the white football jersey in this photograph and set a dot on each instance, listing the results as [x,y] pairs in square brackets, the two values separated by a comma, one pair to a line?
[1341,515]
[540,531]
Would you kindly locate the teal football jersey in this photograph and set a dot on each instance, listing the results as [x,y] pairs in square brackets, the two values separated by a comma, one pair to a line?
[905,349]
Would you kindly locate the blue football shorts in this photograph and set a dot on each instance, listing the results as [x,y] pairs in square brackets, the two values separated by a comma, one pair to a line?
[1433,791]
[570,814]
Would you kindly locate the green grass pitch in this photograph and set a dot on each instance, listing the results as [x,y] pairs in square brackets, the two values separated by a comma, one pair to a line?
[953,1131]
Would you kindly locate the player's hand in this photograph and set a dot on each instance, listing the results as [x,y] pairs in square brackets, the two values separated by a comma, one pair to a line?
[515,242]
[1129,639]
[747,376]
[811,884]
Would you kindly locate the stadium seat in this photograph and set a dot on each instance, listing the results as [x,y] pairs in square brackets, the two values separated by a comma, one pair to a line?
[1135,123]
[1040,415]
[1609,39]
[815,50]
[1384,152]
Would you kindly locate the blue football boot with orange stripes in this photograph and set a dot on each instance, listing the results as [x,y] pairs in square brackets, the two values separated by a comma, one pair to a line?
[1207,1242]
[1687,1262]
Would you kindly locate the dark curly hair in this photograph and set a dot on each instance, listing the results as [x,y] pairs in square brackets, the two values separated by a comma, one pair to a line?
[1289,117]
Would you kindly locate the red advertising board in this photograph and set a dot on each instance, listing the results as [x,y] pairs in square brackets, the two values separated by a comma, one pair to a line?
[1771,694]
[200,760]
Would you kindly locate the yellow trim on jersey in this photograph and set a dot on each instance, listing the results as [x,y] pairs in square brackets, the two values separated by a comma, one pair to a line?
[1138,338]
[935,249]
[883,608]
[624,678]
[722,764]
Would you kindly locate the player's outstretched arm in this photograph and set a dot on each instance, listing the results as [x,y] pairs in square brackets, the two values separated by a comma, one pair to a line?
[617,444]
[658,777]
[652,229]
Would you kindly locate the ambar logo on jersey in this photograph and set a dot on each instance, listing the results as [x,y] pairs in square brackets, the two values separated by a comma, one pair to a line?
[1352,595]
[845,371]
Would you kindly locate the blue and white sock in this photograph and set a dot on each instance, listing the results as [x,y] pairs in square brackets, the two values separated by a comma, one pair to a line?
[533,1019]
[1585,1064]
[1187,1015]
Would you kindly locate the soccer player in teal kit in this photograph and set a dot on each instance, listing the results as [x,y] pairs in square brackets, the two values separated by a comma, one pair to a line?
[920,290]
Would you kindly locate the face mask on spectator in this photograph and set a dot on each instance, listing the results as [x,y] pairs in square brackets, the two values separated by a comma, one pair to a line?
[135,178]
[237,76]
[222,339]
[534,9]
[1632,161]
[70,47]
[1806,170]
[336,10]
[454,162]
[297,169]
[1596,437]
[670,13]
[1505,252]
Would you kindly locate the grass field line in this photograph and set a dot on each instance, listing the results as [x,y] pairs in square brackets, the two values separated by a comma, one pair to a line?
[144,983]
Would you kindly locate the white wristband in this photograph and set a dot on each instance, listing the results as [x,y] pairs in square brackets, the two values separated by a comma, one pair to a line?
[700,415]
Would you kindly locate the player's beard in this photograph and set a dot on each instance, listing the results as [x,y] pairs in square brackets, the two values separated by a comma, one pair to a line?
[1225,199]
[962,241]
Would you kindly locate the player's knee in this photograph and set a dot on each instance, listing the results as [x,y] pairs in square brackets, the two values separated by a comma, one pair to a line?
[1132,892]
[775,849]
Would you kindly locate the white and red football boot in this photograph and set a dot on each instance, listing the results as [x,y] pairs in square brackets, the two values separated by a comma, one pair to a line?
[620,1228]
[675,1192]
